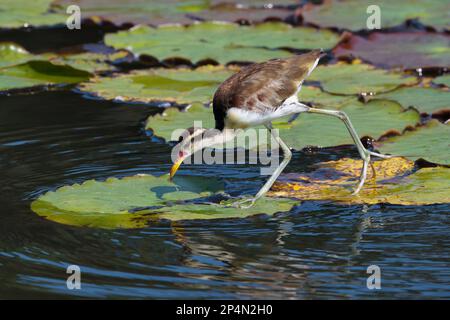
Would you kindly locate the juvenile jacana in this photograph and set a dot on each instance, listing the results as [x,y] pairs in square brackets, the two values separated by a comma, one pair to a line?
[256,95]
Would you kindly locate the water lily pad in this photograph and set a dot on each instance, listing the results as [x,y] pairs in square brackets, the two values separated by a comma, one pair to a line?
[430,142]
[138,11]
[175,85]
[445,80]
[371,119]
[351,14]
[395,182]
[178,11]
[20,13]
[39,73]
[132,202]
[88,61]
[357,78]
[407,50]
[222,42]
[250,13]
[321,99]
[426,100]
[12,54]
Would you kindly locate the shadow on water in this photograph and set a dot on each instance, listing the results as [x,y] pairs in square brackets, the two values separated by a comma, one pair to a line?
[318,250]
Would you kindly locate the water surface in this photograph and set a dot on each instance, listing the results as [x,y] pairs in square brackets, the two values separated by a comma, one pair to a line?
[318,250]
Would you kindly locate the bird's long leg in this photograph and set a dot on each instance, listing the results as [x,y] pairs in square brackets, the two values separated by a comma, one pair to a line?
[246,203]
[364,153]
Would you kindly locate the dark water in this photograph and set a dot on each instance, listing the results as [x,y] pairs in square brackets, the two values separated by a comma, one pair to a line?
[318,250]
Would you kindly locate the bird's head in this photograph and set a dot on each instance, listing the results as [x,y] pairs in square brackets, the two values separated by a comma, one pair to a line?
[192,140]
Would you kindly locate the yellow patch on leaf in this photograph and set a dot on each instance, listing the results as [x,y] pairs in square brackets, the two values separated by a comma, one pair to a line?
[388,181]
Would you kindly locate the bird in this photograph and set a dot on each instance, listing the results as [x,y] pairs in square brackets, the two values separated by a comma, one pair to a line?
[257,95]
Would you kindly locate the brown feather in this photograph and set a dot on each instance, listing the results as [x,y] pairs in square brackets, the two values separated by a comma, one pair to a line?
[262,87]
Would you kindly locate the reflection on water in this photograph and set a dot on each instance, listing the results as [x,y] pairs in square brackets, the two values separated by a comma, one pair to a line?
[318,250]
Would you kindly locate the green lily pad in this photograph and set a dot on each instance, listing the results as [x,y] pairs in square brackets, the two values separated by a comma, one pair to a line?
[175,85]
[395,182]
[407,50]
[138,11]
[427,100]
[39,73]
[178,11]
[351,14]
[222,42]
[429,142]
[445,80]
[132,202]
[20,13]
[321,99]
[357,78]
[12,54]
[88,61]
[372,119]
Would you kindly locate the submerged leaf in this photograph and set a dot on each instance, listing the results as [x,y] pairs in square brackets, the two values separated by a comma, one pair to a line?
[132,202]
[430,142]
[222,42]
[395,182]
[175,85]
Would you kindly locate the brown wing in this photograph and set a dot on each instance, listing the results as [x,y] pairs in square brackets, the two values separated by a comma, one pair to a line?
[262,87]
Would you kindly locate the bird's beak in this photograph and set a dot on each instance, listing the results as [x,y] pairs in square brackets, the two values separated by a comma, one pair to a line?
[175,167]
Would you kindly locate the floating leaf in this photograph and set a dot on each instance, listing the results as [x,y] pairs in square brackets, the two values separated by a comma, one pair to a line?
[138,11]
[321,99]
[357,78]
[20,13]
[407,50]
[88,61]
[222,42]
[236,13]
[372,119]
[175,85]
[445,80]
[12,54]
[38,73]
[178,11]
[430,142]
[394,183]
[351,14]
[427,100]
[132,202]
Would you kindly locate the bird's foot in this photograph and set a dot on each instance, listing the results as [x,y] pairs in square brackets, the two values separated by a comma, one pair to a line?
[366,159]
